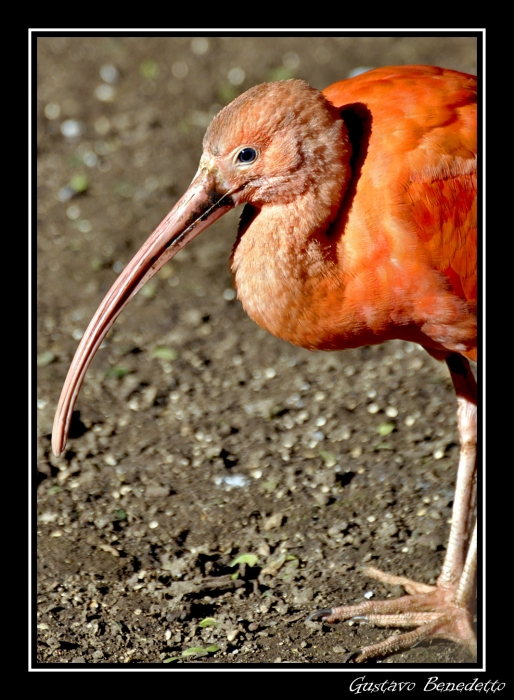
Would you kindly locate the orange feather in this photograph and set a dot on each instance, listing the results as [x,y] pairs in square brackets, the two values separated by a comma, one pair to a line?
[418,176]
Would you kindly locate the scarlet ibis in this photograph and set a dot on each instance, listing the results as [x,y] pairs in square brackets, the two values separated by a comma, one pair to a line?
[359,227]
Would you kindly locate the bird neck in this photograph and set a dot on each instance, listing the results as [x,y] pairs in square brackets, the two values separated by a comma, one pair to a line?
[283,253]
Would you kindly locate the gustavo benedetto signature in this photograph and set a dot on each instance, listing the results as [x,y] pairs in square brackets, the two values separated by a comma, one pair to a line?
[360,685]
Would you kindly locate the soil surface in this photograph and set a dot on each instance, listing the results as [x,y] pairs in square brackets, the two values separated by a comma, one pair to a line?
[197,436]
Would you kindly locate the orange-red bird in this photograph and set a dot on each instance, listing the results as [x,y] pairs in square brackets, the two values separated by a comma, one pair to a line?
[359,227]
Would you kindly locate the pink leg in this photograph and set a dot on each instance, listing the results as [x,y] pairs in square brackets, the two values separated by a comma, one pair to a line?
[464,501]
[443,610]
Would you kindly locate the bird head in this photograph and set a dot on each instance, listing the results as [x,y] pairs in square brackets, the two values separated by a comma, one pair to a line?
[275,142]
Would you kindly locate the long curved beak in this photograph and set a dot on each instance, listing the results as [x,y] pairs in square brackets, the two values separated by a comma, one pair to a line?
[200,206]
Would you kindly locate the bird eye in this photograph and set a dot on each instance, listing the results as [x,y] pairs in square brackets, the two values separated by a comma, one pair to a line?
[247,155]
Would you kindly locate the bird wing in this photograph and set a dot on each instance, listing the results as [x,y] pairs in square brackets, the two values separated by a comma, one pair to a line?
[425,119]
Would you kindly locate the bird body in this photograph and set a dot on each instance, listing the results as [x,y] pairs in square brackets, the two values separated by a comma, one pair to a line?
[399,258]
[359,226]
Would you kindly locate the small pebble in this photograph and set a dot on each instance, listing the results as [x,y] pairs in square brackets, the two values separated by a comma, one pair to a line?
[236,76]
[109,73]
[200,45]
[104,93]
[72,129]
[52,110]
[180,70]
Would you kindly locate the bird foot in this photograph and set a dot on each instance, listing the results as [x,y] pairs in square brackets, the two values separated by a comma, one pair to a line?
[435,612]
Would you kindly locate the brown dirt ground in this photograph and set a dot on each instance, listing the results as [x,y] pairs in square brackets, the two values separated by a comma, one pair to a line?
[137,523]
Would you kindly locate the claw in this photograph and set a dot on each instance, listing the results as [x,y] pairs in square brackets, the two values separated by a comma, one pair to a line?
[326,612]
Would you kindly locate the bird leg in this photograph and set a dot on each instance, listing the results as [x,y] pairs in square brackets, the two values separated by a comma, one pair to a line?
[444,610]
